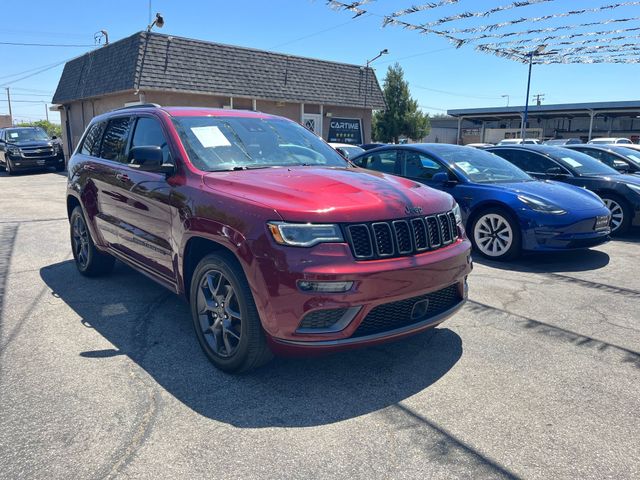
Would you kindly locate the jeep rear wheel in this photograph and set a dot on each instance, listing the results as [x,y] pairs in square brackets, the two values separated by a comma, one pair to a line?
[89,261]
[225,317]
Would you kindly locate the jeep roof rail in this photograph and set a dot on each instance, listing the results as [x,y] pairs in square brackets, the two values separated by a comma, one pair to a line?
[138,105]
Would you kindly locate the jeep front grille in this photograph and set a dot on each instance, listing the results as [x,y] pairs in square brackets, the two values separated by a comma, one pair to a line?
[399,238]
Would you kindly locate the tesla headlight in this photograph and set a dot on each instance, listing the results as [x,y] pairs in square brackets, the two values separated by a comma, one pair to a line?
[541,206]
[304,234]
[635,188]
[458,214]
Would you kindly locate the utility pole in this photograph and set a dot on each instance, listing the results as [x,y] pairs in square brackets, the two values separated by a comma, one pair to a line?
[9,101]
[539,97]
[46,110]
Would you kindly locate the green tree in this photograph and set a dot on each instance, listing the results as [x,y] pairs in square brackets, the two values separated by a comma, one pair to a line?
[52,129]
[402,116]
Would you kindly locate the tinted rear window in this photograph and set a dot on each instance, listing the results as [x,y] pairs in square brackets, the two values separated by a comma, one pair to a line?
[115,138]
[91,143]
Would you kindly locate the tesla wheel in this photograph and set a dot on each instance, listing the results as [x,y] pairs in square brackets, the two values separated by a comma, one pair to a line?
[496,235]
[89,261]
[225,316]
[620,213]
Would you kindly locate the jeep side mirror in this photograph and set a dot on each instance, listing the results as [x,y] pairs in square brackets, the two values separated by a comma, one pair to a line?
[149,159]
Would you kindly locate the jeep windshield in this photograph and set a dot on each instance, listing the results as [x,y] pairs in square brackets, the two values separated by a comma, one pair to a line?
[239,143]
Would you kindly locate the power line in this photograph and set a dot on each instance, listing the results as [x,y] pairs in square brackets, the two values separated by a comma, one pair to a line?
[444,92]
[28,71]
[416,55]
[315,33]
[32,89]
[23,101]
[21,44]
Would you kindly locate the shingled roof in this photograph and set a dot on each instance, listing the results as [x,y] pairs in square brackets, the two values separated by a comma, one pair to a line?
[153,61]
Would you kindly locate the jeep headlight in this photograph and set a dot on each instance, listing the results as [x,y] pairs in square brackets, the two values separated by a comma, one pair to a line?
[304,234]
[458,214]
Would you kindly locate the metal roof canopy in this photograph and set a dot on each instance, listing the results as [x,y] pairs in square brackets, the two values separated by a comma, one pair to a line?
[550,111]
[590,110]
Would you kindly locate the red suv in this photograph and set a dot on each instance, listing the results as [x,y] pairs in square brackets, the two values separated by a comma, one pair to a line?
[278,243]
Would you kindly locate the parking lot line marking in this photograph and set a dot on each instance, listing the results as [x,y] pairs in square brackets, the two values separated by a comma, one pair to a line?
[572,337]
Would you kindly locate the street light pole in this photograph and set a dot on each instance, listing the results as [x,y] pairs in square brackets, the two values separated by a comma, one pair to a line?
[526,104]
[366,73]
[531,54]
[507,97]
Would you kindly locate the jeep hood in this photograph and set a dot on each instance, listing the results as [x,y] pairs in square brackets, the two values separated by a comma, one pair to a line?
[320,194]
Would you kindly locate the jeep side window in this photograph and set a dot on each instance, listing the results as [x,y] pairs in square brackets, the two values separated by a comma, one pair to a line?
[148,133]
[91,143]
[114,142]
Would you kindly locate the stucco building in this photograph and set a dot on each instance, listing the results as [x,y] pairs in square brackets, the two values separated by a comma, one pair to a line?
[333,99]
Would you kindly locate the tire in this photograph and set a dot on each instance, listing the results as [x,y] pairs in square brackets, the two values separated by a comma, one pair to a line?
[495,234]
[9,167]
[230,333]
[89,261]
[621,213]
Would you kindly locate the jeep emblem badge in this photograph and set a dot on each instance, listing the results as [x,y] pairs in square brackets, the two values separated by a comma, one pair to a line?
[412,210]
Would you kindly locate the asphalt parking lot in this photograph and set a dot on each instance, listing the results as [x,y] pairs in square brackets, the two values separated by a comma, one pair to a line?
[537,377]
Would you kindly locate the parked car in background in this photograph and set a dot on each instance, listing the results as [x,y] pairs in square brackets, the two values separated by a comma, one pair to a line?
[563,141]
[29,148]
[347,150]
[479,145]
[610,140]
[621,193]
[519,141]
[278,243]
[370,146]
[624,160]
[504,209]
[632,146]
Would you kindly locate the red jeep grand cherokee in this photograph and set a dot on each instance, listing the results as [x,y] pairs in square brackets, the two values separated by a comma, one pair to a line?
[279,244]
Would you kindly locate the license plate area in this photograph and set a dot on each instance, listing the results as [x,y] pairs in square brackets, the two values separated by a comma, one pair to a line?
[602,222]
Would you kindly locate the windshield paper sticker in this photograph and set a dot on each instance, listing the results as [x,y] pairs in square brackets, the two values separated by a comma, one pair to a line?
[210,136]
[13,135]
[572,162]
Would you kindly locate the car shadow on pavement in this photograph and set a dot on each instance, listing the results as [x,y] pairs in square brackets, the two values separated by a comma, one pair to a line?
[551,262]
[153,328]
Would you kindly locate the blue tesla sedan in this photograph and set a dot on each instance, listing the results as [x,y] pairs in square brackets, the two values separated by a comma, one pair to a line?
[504,210]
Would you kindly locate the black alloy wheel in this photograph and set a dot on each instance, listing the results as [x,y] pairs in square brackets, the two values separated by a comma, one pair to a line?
[89,261]
[225,317]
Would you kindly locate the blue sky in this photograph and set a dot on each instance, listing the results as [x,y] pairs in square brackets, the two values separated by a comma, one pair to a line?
[440,76]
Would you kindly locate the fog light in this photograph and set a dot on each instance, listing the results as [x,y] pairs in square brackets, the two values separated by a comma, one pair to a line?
[324,287]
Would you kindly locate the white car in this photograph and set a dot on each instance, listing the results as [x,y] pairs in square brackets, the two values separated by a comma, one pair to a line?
[609,141]
[519,141]
[346,150]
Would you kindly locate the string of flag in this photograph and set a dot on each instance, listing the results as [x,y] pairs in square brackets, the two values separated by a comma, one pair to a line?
[615,45]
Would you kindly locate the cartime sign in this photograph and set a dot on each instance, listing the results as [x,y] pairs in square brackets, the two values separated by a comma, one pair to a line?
[345,130]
